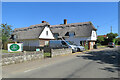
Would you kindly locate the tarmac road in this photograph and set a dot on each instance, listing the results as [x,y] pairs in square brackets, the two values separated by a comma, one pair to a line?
[95,64]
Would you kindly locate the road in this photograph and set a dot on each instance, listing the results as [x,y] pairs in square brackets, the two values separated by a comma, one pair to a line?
[94,64]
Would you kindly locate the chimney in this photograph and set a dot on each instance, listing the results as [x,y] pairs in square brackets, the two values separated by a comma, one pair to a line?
[65,21]
[43,21]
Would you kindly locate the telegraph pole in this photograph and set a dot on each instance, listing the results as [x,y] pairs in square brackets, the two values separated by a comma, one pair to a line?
[111,29]
[97,27]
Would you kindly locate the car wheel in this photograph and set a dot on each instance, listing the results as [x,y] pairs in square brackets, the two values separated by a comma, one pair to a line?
[78,49]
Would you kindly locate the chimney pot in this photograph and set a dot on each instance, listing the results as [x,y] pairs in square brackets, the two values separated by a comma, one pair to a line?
[65,21]
[43,21]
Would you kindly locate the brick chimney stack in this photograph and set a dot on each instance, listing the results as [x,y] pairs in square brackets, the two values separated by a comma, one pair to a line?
[65,21]
[43,21]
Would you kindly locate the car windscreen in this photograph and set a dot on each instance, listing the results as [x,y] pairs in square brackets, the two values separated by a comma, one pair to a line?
[68,42]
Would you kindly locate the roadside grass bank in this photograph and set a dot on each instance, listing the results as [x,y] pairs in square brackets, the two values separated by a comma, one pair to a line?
[6,51]
[102,46]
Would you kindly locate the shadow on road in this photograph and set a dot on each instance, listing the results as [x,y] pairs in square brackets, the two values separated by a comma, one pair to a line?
[105,56]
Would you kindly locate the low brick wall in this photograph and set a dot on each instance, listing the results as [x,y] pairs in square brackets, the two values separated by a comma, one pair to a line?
[14,58]
[56,52]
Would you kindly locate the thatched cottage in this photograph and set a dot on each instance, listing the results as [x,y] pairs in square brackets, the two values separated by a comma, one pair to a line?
[40,34]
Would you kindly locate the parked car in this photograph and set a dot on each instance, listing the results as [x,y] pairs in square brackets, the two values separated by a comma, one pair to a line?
[111,44]
[79,48]
[63,43]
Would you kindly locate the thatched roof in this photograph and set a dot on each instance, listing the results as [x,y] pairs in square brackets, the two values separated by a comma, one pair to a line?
[83,29]
[31,32]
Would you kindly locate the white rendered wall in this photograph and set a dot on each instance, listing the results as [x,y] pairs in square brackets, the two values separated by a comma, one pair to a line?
[94,35]
[44,36]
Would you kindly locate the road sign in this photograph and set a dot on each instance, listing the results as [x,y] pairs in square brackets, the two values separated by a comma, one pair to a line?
[15,47]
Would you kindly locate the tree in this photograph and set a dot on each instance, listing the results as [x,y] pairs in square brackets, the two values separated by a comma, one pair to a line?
[100,39]
[111,36]
[117,41]
[6,32]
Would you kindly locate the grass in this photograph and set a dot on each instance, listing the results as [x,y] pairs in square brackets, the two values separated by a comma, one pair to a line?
[101,46]
[86,47]
[6,51]
[46,54]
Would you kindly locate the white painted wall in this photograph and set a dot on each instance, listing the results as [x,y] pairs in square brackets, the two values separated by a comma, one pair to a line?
[78,39]
[43,34]
[30,42]
[94,35]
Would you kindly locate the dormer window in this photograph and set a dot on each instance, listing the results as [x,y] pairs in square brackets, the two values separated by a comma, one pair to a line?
[13,37]
[71,34]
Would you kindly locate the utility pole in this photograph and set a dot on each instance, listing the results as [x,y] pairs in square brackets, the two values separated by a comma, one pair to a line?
[111,29]
[97,27]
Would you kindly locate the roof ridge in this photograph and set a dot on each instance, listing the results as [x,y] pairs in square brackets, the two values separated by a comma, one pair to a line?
[70,24]
[41,24]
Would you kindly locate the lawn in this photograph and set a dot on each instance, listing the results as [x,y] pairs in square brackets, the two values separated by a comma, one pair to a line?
[46,54]
[6,51]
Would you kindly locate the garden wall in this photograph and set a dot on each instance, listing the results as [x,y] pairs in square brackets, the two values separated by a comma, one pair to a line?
[14,58]
[56,52]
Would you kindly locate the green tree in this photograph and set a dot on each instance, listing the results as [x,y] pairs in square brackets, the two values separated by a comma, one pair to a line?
[117,41]
[6,32]
[111,36]
[100,39]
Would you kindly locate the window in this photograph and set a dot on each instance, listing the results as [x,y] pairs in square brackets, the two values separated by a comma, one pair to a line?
[93,34]
[71,34]
[63,43]
[12,37]
[46,42]
[47,33]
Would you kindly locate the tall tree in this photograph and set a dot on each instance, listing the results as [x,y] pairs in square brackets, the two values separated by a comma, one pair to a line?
[111,36]
[6,32]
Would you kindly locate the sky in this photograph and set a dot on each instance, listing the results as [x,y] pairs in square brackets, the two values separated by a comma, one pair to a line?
[24,14]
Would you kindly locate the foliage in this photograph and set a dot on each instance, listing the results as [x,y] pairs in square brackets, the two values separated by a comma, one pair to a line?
[100,39]
[6,32]
[111,36]
[117,41]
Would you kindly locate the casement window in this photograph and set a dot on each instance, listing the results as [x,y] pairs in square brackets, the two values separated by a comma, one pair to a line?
[71,34]
[47,33]
[93,34]
[13,37]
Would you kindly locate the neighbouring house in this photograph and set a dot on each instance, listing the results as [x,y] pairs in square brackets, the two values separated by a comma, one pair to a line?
[39,35]
[105,36]
[79,33]
[34,35]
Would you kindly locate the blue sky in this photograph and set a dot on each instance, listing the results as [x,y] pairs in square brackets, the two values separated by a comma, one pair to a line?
[24,14]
